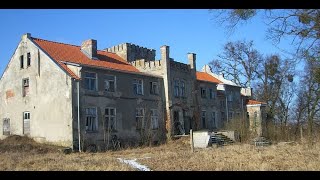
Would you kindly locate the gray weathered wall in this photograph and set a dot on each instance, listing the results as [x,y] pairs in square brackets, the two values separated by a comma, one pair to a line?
[48,101]
[125,102]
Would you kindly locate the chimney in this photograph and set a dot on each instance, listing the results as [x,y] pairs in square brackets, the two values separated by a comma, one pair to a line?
[192,60]
[89,48]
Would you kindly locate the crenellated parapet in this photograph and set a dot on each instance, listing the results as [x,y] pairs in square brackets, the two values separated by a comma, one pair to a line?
[131,52]
[143,64]
[178,66]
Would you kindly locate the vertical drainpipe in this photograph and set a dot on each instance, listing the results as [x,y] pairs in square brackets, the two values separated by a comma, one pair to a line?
[78,103]
[227,106]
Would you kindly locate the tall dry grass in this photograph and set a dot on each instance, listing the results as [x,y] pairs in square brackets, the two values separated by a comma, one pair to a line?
[172,156]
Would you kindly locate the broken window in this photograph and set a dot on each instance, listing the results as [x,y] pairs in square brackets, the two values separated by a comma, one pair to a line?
[28,59]
[21,61]
[138,86]
[90,81]
[154,119]
[25,87]
[176,88]
[182,89]
[110,83]
[110,119]
[203,92]
[26,123]
[91,119]
[203,119]
[139,118]
[6,126]
[154,88]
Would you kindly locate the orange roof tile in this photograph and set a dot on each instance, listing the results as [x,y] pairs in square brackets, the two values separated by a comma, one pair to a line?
[253,102]
[202,76]
[71,53]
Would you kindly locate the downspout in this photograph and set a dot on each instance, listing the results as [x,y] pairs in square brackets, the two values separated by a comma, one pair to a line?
[227,107]
[78,104]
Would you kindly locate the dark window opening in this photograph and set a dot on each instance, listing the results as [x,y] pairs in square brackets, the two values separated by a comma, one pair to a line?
[28,59]
[25,87]
[21,61]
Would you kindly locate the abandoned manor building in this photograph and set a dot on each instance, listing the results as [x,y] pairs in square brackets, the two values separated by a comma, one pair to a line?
[73,96]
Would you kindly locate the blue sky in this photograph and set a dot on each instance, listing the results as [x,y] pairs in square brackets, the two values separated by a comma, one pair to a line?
[184,31]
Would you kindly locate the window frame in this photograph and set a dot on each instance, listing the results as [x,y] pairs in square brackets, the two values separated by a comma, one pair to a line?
[182,86]
[203,118]
[21,61]
[95,123]
[6,129]
[90,79]
[154,119]
[26,117]
[25,87]
[28,59]
[211,93]
[176,87]
[114,82]
[141,126]
[136,85]
[110,116]
[154,91]
[203,92]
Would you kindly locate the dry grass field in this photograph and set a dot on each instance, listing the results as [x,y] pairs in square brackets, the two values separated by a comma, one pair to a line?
[18,153]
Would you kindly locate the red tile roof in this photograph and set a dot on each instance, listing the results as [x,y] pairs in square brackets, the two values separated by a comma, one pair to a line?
[254,102]
[71,53]
[202,76]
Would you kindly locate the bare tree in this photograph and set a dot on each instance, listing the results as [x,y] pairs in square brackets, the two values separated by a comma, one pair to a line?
[238,62]
[302,25]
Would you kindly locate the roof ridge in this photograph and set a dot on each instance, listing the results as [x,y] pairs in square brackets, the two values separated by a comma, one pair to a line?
[54,41]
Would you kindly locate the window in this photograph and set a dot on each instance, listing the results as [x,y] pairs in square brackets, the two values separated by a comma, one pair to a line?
[176,88]
[91,119]
[110,83]
[138,86]
[230,115]
[211,94]
[222,117]
[154,119]
[28,59]
[26,123]
[90,81]
[182,89]
[203,92]
[203,119]
[6,126]
[139,118]
[222,104]
[25,87]
[154,88]
[21,61]
[110,119]
[213,119]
